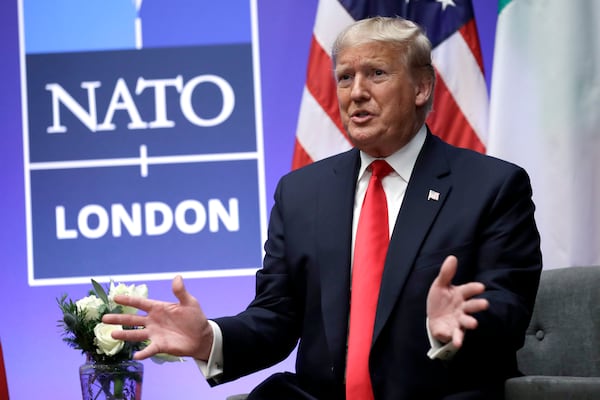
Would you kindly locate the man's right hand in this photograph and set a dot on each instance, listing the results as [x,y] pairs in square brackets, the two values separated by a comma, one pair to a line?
[179,329]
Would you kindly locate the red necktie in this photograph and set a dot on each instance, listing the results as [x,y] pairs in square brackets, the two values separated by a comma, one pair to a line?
[370,248]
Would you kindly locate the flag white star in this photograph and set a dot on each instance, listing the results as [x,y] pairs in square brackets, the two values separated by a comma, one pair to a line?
[446,3]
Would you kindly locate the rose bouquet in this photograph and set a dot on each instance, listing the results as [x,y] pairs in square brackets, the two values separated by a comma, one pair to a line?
[109,370]
[84,330]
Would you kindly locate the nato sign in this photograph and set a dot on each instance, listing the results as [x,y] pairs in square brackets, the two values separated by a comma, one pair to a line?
[142,139]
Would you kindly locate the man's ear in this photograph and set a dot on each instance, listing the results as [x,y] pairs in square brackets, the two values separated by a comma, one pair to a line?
[423,89]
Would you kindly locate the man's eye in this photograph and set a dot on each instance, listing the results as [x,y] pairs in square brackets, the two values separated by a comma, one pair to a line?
[379,72]
[344,80]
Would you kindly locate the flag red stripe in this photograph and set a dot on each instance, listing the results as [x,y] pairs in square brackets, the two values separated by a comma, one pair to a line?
[300,157]
[448,122]
[321,84]
[471,37]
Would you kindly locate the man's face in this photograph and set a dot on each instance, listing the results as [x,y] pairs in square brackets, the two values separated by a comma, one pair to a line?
[380,102]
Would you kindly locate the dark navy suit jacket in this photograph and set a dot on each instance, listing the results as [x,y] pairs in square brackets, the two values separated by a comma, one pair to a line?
[484,216]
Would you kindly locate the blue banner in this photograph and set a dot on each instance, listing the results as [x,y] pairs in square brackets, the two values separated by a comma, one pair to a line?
[143,149]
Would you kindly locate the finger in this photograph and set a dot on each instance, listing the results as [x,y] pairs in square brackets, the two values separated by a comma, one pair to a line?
[130,335]
[457,338]
[124,319]
[184,297]
[475,305]
[467,322]
[133,301]
[151,350]
[147,352]
[447,271]
[471,289]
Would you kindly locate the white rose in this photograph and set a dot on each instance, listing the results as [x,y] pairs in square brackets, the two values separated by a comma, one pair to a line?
[91,305]
[104,341]
[131,290]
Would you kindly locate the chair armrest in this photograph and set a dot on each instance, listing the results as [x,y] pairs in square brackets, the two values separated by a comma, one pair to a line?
[552,388]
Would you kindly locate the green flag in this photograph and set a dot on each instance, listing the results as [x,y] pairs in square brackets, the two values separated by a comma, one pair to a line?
[545,116]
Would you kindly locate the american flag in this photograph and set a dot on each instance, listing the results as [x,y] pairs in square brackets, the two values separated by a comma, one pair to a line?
[460,109]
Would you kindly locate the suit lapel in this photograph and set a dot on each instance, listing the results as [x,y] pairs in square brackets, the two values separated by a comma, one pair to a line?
[334,213]
[418,211]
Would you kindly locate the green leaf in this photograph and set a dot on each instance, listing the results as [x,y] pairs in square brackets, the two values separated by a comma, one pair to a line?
[70,321]
[100,292]
[161,358]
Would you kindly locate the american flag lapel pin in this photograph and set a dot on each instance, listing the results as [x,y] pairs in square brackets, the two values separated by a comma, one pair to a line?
[433,195]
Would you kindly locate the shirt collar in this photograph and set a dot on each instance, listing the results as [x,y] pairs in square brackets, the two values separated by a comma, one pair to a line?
[403,160]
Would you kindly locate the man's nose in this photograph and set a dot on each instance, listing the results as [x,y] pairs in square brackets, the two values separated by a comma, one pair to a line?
[359,90]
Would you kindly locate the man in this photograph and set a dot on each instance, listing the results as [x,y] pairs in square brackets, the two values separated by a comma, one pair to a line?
[460,275]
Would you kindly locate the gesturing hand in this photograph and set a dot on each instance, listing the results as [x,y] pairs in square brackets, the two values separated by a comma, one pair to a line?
[178,329]
[450,308]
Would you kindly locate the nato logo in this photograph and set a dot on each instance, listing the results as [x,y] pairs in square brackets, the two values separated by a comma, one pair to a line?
[142,139]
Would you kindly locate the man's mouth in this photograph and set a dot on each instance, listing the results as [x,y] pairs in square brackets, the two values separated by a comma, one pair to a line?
[360,116]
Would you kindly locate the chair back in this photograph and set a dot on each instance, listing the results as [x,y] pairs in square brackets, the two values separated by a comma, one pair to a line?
[563,338]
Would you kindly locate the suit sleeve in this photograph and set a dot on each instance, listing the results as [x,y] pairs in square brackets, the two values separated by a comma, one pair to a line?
[267,331]
[509,263]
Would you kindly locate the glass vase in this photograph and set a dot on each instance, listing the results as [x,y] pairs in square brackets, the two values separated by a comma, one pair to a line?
[118,381]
